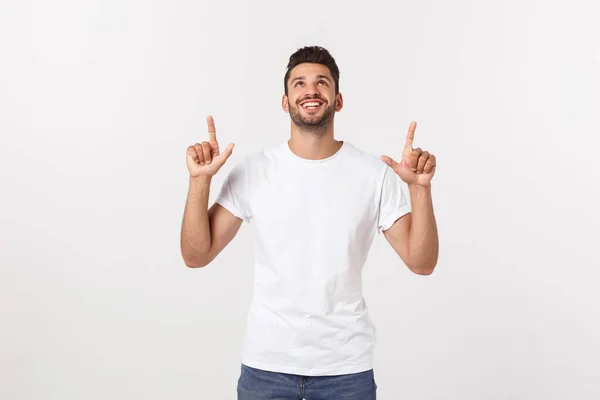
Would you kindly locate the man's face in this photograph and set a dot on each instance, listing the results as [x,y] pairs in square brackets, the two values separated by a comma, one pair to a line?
[311,99]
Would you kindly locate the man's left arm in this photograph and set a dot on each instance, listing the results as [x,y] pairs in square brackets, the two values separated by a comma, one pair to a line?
[414,236]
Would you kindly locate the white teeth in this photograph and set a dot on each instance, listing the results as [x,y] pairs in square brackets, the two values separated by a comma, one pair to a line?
[311,104]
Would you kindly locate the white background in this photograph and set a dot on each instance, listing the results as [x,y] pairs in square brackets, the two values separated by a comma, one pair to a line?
[100,99]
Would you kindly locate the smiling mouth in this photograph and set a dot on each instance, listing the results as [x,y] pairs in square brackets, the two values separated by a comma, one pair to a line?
[311,105]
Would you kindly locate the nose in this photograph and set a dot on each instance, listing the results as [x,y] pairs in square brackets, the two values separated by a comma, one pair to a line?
[311,90]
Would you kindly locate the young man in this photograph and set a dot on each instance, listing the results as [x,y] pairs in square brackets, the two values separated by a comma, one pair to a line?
[316,204]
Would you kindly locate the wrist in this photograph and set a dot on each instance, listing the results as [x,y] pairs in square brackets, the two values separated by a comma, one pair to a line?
[200,180]
[416,186]
[419,192]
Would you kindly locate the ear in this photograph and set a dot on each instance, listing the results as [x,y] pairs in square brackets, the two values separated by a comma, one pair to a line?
[284,103]
[339,102]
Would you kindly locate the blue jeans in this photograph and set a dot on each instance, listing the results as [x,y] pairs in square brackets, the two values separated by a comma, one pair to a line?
[256,384]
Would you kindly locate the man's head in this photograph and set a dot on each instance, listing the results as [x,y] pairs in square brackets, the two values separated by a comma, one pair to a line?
[311,87]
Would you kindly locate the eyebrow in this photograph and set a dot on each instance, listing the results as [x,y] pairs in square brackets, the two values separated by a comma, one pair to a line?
[318,77]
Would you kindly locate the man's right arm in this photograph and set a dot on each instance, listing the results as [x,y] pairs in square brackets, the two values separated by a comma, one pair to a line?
[205,232]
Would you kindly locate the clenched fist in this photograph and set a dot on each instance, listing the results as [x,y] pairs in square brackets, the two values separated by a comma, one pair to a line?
[204,159]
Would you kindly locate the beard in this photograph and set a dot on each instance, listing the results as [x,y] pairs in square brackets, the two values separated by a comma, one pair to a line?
[316,124]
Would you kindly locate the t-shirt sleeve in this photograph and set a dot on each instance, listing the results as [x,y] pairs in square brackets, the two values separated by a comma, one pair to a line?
[234,192]
[394,201]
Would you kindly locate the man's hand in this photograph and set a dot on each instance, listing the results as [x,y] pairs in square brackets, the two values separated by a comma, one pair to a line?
[417,167]
[204,159]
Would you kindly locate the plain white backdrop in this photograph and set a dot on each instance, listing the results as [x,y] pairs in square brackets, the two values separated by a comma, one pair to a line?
[100,99]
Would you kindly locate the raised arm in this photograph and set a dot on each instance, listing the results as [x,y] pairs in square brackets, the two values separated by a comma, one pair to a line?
[205,232]
[415,237]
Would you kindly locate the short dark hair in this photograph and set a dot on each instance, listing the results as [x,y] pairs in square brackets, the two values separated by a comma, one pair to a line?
[313,54]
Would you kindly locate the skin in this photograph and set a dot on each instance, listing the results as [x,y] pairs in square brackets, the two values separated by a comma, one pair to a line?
[206,232]
[414,237]
[312,81]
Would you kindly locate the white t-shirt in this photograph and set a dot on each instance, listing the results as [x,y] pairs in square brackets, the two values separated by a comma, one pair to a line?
[314,223]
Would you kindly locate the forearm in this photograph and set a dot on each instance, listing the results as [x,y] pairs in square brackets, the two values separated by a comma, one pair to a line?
[423,237]
[195,228]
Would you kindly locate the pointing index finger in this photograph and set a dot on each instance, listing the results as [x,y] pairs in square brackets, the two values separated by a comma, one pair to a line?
[212,132]
[410,135]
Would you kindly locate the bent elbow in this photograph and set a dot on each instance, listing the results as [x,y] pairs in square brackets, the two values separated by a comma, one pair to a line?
[192,264]
[423,269]
[423,272]
[195,262]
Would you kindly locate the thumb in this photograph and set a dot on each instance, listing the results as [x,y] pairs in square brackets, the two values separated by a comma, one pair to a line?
[226,153]
[389,161]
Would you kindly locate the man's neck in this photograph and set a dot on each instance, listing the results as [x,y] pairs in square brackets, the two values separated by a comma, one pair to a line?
[313,146]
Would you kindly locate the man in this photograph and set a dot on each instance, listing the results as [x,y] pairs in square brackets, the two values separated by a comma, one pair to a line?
[316,204]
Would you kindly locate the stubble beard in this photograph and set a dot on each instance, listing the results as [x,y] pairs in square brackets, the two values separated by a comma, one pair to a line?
[315,126]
